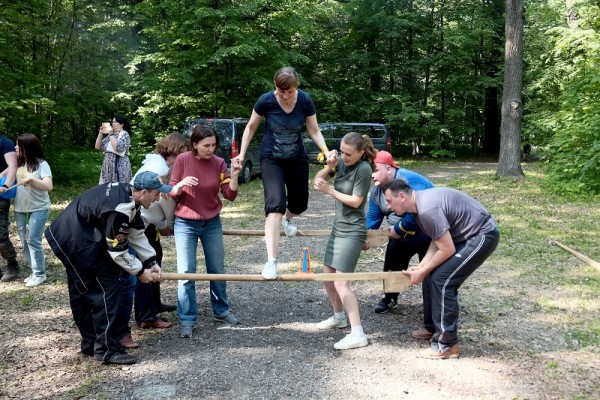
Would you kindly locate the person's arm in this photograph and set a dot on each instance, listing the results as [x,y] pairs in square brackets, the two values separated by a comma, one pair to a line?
[178,182]
[249,131]
[99,139]
[312,127]
[405,228]
[439,251]
[351,200]
[229,183]
[44,184]
[120,141]
[116,233]
[326,172]
[177,189]
[374,214]
[11,171]
[144,267]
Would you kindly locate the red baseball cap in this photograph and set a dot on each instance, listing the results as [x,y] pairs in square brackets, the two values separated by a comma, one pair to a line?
[383,157]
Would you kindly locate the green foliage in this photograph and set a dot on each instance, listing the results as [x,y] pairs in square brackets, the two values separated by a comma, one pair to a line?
[564,95]
[74,168]
[423,67]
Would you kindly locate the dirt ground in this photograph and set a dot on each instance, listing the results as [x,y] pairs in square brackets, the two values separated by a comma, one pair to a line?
[277,352]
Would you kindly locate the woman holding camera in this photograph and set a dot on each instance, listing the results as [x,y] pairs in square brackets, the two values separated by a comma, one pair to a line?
[115,143]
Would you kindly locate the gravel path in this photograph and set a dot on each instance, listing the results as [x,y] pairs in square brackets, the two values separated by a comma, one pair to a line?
[277,353]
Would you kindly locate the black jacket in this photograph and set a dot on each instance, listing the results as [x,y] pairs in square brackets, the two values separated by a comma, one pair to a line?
[97,229]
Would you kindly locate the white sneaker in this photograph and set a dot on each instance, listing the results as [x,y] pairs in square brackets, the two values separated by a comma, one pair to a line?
[352,342]
[36,280]
[270,270]
[28,278]
[289,227]
[332,322]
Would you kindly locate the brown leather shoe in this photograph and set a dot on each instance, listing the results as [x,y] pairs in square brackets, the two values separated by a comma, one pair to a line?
[128,343]
[421,334]
[159,323]
[452,352]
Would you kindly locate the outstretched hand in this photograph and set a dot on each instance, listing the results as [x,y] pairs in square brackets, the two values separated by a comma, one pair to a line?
[187,181]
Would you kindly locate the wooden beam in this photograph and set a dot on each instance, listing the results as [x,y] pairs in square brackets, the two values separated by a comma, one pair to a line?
[583,258]
[393,281]
[376,237]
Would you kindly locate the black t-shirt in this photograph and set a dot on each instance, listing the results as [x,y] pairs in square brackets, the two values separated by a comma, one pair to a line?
[6,146]
[283,131]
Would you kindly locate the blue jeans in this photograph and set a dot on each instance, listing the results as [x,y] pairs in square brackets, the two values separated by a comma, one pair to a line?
[210,232]
[31,238]
[127,283]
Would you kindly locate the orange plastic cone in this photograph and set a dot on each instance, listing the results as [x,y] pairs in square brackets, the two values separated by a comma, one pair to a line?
[305,267]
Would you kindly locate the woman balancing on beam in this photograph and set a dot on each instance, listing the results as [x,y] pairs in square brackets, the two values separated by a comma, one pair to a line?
[283,160]
[349,234]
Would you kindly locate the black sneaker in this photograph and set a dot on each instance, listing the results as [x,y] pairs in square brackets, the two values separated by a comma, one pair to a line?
[117,358]
[385,305]
[166,308]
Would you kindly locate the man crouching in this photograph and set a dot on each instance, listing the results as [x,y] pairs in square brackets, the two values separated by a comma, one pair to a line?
[92,237]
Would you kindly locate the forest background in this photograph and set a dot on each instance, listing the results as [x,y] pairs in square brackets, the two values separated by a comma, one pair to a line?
[431,69]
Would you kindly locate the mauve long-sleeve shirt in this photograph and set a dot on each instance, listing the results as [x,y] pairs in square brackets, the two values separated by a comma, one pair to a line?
[201,202]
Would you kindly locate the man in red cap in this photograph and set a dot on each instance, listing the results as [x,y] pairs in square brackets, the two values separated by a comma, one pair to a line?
[406,238]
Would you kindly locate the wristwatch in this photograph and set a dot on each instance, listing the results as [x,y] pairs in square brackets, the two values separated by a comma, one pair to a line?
[5,186]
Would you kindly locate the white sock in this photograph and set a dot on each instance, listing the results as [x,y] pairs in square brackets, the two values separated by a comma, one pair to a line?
[357,331]
[339,315]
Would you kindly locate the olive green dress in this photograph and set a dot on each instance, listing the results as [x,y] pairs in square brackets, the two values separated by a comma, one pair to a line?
[349,224]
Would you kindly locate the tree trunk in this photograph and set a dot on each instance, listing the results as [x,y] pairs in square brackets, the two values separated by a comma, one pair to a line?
[509,163]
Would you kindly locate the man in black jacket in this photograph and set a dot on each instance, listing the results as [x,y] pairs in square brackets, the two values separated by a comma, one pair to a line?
[92,237]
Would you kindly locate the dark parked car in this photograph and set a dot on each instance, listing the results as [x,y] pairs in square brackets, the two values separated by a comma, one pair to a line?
[333,132]
[230,131]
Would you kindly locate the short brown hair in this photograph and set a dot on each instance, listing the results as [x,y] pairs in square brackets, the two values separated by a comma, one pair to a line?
[286,78]
[202,132]
[172,145]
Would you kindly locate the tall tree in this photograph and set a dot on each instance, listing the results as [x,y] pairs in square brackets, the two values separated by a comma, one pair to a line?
[509,163]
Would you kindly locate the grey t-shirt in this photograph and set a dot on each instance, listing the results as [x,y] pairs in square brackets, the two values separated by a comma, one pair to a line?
[29,199]
[441,209]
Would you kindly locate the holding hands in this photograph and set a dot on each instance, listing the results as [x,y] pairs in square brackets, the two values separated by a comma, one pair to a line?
[332,159]
[320,183]
[236,167]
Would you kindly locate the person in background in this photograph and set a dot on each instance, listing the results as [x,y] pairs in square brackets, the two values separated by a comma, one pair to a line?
[116,167]
[115,144]
[159,219]
[349,234]
[198,177]
[92,237]
[406,238]
[284,163]
[463,235]
[8,166]
[32,204]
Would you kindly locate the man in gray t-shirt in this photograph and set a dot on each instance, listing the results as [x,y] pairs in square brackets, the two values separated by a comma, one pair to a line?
[463,235]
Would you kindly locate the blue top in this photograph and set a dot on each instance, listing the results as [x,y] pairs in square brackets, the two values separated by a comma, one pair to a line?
[405,225]
[283,132]
[6,146]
